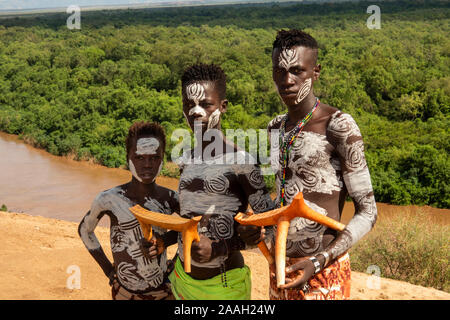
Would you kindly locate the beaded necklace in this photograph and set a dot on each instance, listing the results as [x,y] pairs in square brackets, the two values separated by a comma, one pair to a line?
[285,144]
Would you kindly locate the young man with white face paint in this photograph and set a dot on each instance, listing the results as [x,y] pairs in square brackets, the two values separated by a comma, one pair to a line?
[215,183]
[320,153]
[140,269]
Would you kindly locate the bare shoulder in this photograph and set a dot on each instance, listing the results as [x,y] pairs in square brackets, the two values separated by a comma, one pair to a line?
[325,112]
[275,123]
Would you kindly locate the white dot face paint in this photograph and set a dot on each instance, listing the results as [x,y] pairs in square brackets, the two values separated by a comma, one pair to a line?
[147,146]
[133,170]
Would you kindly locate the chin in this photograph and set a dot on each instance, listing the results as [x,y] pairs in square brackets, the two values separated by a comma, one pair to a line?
[289,102]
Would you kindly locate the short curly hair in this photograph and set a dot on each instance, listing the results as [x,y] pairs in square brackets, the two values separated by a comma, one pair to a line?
[142,128]
[205,72]
[287,39]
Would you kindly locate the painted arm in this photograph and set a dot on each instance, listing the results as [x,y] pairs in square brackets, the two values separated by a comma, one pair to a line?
[252,182]
[345,135]
[86,232]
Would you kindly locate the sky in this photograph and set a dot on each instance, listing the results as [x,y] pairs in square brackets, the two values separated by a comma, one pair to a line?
[41,4]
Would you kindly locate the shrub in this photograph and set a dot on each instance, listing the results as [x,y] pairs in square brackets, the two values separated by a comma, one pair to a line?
[409,248]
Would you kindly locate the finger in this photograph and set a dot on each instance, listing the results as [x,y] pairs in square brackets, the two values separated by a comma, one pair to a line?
[293,283]
[299,266]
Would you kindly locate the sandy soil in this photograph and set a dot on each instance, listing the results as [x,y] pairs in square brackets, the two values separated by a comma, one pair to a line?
[36,255]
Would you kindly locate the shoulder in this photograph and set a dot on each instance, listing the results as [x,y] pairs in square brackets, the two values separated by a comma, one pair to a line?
[342,125]
[275,123]
[113,192]
[105,200]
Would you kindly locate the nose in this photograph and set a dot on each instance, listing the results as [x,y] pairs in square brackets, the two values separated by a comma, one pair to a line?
[197,112]
[288,80]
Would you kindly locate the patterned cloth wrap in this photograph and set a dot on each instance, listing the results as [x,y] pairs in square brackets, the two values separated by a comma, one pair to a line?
[332,283]
[185,287]
[162,293]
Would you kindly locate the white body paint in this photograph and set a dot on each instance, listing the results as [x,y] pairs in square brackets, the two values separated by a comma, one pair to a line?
[147,146]
[133,170]
[287,59]
[318,166]
[304,90]
[196,93]
[126,236]
[215,197]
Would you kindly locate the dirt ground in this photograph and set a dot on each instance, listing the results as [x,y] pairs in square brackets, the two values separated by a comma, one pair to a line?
[39,256]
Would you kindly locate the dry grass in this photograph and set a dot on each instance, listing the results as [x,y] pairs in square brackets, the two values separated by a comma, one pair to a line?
[407,247]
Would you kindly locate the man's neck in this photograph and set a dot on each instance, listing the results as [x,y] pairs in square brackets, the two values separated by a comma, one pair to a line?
[138,190]
[299,111]
[205,143]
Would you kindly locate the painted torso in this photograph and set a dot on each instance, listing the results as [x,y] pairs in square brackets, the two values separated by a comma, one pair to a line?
[315,168]
[217,190]
[135,272]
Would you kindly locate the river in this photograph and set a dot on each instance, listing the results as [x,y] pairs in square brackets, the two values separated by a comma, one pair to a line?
[35,182]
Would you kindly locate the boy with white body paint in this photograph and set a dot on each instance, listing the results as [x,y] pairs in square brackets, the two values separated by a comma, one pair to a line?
[140,267]
[217,180]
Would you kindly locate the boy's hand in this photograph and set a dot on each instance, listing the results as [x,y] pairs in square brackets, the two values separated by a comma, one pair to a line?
[152,248]
[251,235]
[202,251]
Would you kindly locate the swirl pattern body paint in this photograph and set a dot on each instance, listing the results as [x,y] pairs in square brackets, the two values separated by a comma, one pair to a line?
[135,272]
[325,166]
[218,189]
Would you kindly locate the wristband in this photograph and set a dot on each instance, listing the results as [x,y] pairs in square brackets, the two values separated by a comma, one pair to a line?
[326,256]
[316,264]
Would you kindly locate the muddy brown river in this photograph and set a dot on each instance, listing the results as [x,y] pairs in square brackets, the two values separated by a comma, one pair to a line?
[35,182]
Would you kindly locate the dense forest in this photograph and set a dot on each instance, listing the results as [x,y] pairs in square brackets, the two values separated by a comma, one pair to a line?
[76,92]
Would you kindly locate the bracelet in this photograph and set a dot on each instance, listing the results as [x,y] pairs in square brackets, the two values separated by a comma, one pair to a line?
[316,264]
[326,256]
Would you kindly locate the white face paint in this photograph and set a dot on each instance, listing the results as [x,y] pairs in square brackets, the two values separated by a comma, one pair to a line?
[147,146]
[133,170]
[304,90]
[287,59]
[196,93]
[214,118]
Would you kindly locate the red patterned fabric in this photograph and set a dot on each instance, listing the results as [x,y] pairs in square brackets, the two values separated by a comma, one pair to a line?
[332,283]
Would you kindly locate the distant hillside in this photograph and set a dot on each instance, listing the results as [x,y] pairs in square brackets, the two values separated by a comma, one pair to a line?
[77,91]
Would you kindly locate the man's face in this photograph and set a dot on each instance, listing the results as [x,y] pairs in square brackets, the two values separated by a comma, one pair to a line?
[145,159]
[294,71]
[202,104]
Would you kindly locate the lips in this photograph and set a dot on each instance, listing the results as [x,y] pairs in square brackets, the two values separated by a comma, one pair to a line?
[288,93]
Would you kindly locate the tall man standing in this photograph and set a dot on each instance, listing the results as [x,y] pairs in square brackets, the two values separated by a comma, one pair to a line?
[320,153]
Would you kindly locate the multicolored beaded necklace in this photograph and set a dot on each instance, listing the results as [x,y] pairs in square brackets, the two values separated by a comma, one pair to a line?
[285,144]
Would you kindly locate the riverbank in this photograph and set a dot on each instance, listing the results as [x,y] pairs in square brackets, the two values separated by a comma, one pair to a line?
[37,252]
